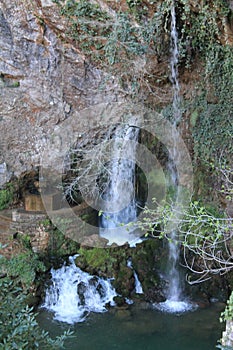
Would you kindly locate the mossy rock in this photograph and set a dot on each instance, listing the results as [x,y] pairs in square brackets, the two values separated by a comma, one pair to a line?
[146,261]
[112,262]
[124,281]
[97,261]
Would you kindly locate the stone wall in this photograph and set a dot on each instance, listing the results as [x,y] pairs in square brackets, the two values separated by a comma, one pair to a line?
[31,224]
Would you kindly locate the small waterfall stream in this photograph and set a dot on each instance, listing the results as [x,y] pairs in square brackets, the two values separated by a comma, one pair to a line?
[73,294]
[176,302]
[174,293]
[138,286]
[174,68]
[120,197]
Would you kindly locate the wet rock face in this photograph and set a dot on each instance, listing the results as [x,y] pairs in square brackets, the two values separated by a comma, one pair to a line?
[113,263]
[43,81]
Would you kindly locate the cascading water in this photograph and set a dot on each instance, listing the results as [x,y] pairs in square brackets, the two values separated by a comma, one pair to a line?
[120,199]
[174,68]
[175,290]
[73,294]
[176,301]
[138,286]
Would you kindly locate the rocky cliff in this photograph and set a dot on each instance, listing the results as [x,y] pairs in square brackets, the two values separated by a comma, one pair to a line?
[45,78]
[43,81]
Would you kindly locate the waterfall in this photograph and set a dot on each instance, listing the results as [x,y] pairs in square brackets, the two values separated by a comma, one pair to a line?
[138,286]
[120,207]
[174,68]
[176,301]
[73,294]
[174,290]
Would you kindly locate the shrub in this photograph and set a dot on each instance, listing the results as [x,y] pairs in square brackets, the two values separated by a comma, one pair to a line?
[22,267]
[18,326]
[6,196]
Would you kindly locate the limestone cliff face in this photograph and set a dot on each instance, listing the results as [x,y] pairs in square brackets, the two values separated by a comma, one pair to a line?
[43,81]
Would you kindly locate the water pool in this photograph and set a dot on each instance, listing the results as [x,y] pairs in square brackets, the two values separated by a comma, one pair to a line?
[141,329]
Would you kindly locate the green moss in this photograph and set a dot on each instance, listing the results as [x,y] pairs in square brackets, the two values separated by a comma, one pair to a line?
[15,84]
[98,258]
[6,196]
[193,118]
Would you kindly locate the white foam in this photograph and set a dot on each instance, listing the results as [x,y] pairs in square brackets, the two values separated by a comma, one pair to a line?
[121,236]
[174,306]
[73,294]
[128,301]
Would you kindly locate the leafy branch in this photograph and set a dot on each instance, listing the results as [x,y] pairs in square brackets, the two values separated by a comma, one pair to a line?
[206,240]
[18,325]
